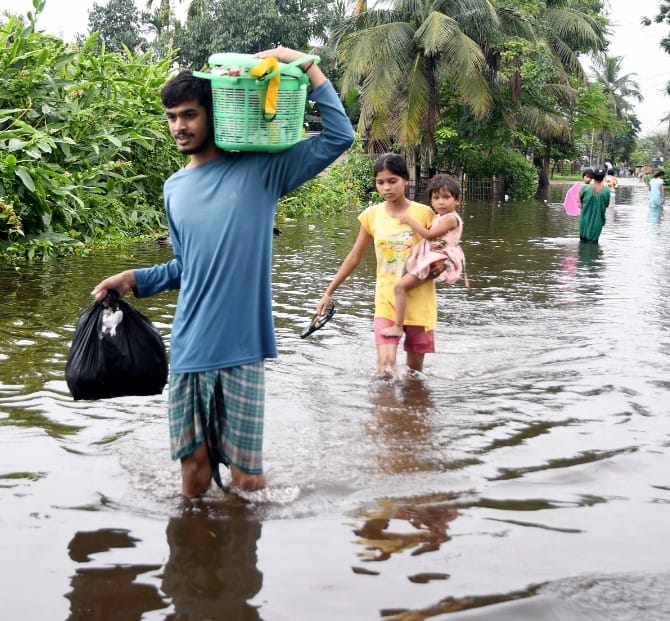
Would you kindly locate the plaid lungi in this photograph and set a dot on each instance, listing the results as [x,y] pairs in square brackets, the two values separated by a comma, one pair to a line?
[224,408]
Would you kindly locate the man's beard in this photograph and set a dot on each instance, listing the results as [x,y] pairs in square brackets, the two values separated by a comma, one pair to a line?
[195,149]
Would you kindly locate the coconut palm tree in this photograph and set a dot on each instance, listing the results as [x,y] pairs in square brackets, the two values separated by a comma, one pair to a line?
[553,40]
[618,89]
[162,17]
[398,57]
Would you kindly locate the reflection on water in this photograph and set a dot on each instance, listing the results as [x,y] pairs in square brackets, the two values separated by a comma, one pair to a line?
[401,425]
[98,590]
[655,215]
[211,572]
[501,483]
[589,254]
[428,518]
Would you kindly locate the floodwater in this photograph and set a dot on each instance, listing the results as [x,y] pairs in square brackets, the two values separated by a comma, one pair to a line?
[524,477]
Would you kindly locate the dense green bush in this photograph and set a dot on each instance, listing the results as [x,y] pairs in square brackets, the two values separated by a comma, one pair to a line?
[85,147]
[344,185]
[520,176]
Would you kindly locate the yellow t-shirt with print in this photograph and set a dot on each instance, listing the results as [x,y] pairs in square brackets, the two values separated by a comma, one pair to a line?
[393,244]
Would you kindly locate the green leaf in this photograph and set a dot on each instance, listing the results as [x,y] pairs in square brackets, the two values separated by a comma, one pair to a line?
[24,175]
[15,144]
[114,140]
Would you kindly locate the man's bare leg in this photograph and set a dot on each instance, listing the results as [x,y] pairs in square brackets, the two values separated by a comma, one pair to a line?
[248,482]
[196,473]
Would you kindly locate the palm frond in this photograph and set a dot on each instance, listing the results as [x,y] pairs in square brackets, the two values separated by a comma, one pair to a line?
[547,126]
[458,57]
[570,62]
[516,23]
[564,94]
[364,21]
[419,97]
[383,48]
[477,18]
[576,28]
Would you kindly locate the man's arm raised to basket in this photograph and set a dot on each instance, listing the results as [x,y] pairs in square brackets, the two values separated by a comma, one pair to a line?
[287,55]
[309,157]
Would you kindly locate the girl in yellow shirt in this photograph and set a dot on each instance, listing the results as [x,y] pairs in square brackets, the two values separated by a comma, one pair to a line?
[393,242]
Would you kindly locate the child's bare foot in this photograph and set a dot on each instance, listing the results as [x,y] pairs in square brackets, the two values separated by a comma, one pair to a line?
[385,373]
[394,330]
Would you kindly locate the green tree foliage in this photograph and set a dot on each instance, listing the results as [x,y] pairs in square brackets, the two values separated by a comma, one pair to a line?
[507,63]
[615,136]
[117,23]
[83,139]
[540,64]
[649,148]
[591,111]
[397,57]
[247,26]
[618,89]
[159,23]
[663,15]
[520,176]
[623,143]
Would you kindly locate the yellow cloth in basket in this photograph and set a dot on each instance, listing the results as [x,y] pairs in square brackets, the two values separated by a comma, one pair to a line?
[268,65]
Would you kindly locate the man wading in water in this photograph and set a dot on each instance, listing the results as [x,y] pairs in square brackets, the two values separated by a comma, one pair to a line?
[220,210]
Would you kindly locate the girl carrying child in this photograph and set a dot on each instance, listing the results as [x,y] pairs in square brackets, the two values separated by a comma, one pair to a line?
[438,255]
[393,242]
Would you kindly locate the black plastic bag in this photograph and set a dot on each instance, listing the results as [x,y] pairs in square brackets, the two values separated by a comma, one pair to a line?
[116,351]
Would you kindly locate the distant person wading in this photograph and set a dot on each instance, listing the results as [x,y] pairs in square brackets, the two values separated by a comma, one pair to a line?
[656,190]
[594,199]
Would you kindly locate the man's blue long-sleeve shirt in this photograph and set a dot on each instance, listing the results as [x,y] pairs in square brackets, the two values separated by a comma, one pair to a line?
[220,218]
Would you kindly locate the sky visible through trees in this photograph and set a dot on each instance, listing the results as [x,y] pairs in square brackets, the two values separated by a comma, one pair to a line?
[637,45]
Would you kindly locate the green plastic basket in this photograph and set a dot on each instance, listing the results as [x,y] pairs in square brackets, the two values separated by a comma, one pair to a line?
[238,103]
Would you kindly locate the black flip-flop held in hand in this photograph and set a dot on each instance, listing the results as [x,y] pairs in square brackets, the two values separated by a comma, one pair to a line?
[319,320]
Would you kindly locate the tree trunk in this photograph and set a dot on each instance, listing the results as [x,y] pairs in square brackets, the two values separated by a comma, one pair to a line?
[546,165]
[542,163]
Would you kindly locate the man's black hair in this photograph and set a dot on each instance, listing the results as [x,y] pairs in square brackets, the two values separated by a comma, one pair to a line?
[185,87]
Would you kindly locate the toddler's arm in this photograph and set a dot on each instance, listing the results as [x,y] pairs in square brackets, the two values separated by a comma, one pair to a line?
[420,230]
[437,230]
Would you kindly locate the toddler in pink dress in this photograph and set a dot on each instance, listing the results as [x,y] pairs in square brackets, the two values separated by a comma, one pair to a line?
[438,255]
[445,249]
